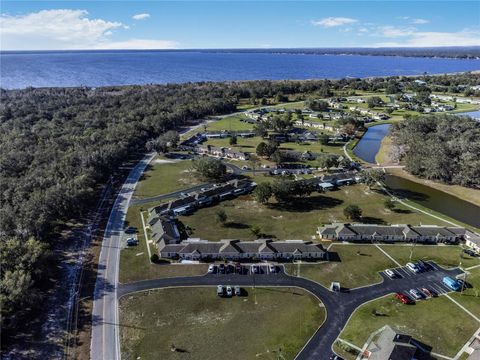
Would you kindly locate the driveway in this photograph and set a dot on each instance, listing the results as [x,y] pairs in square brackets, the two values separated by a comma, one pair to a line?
[339,305]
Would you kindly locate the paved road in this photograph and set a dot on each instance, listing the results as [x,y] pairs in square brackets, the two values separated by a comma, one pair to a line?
[339,305]
[104,342]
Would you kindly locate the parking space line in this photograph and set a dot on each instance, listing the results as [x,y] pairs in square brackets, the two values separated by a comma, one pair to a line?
[387,255]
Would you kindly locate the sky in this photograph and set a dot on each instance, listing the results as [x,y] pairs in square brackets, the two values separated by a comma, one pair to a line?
[65,25]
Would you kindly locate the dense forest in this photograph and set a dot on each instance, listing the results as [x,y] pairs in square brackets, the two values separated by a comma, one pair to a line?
[458,52]
[441,147]
[59,145]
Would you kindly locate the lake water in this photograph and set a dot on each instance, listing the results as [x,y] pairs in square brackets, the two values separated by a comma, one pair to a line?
[103,68]
[369,144]
[436,200]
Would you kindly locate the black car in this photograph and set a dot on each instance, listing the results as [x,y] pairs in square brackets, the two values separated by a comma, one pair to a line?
[470,252]
[221,269]
[230,269]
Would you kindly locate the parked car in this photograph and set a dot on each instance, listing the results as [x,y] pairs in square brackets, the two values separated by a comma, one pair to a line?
[254,269]
[212,269]
[244,167]
[229,291]
[221,269]
[470,252]
[425,265]
[427,292]
[403,298]
[272,268]
[230,269]
[130,230]
[220,290]
[416,294]
[412,267]
[238,290]
[239,269]
[132,242]
[390,274]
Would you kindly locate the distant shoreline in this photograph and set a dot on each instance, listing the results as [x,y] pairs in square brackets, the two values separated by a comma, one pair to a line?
[470,53]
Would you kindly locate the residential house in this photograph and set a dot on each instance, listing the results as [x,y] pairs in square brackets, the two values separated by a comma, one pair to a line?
[391,233]
[267,249]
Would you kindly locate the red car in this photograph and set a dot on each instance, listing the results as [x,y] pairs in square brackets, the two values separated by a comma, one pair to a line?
[427,292]
[403,298]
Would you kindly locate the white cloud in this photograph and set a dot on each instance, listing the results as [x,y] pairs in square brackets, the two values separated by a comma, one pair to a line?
[363,30]
[432,39]
[333,22]
[66,29]
[138,44]
[394,32]
[142,16]
[420,21]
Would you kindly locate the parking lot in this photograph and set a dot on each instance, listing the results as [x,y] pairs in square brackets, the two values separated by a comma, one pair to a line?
[425,283]
[245,269]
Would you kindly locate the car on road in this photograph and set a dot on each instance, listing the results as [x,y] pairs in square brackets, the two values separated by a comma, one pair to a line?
[220,290]
[238,290]
[272,268]
[426,292]
[403,298]
[245,167]
[390,274]
[212,269]
[335,357]
[254,269]
[229,291]
[221,269]
[413,267]
[417,295]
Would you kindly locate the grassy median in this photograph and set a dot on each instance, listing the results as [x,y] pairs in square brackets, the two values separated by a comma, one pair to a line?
[199,325]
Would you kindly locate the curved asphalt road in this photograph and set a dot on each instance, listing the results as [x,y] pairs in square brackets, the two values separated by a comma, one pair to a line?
[339,305]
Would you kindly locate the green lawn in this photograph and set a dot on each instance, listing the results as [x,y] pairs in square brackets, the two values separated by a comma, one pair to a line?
[348,260]
[470,298]
[200,325]
[162,178]
[436,322]
[135,264]
[444,255]
[230,123]
[300,218]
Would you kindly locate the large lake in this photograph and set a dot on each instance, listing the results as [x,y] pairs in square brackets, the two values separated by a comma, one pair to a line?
[103,68]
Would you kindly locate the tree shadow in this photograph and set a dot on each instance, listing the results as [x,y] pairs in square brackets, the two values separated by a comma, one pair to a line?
[402,211]
[316,202]
[236,225]
[373,220]
[412,195]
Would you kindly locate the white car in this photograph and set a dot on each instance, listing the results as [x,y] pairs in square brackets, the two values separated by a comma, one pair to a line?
[416,294]
[412,267]
[272,268]
[212,269]
[390,274]
[220,290]
[229,291]
[254,269]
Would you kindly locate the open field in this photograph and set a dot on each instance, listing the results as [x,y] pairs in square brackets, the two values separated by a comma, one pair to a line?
[162,178]
[202,326]
[352,265]
[470,298]
[300,218]
[437,322]
[444,255]
[230,123]
[134,261]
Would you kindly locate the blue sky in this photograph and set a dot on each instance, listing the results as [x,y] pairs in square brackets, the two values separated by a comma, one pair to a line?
[43,25]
